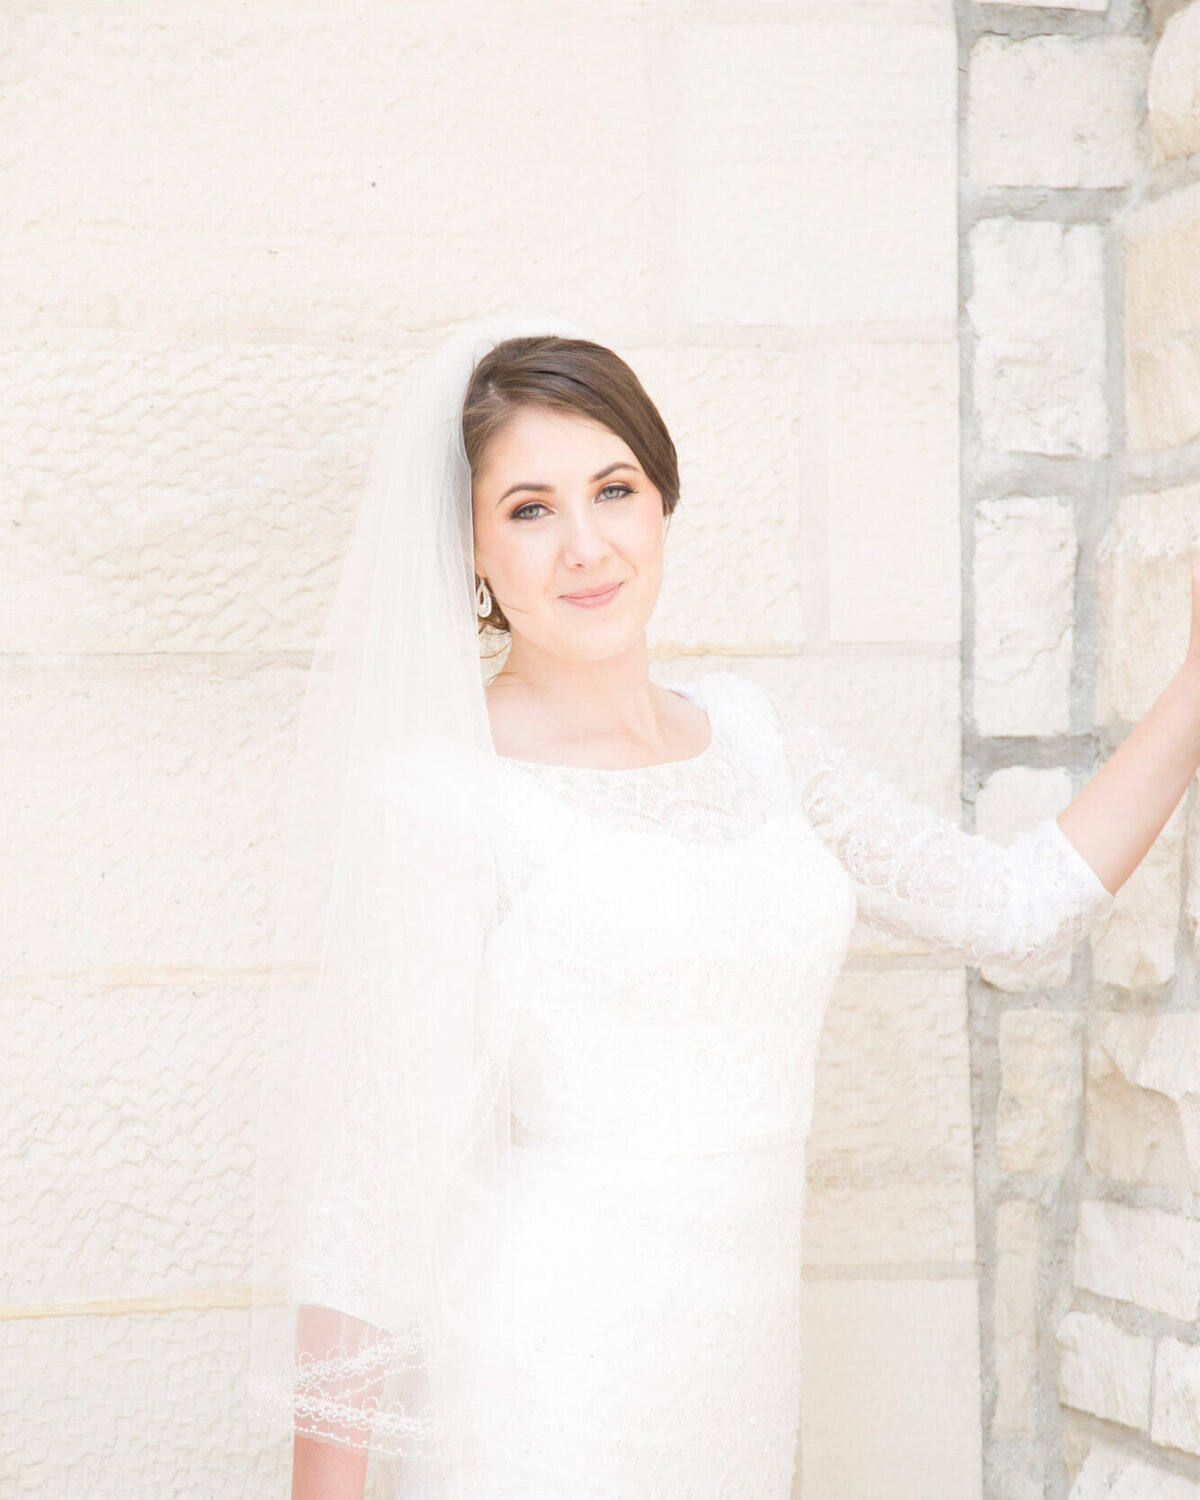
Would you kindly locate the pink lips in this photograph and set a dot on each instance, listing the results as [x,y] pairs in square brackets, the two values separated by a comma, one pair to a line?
[593,597]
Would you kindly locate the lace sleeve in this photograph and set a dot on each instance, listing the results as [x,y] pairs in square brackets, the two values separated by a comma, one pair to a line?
[916,874]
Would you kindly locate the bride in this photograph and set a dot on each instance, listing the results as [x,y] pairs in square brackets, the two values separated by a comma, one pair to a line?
[530,1194]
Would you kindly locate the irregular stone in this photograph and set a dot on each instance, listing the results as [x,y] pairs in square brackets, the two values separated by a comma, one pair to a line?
[1012,801]
[1014,1317]
[1024,577]
[1143,1100]
[1056,111]
[1173,96]
[1103,1370]
[1144,603]
[1133,944]
[1109,1474]
[1176,1421]
[1162,321]
[1040,1086]
[1038,313]
[1139,1255]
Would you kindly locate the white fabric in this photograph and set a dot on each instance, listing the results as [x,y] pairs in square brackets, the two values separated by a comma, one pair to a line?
[382,1165]
[668,946]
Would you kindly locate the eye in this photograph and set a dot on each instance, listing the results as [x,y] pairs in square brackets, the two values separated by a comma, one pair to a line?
[524,512]
[623,488]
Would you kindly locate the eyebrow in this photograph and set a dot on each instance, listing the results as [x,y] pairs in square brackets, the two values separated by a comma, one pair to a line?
[547,488]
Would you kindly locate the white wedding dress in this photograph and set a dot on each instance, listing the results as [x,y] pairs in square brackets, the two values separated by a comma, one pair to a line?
[678,930]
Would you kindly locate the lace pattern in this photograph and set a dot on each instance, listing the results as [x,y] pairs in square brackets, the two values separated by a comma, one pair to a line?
[671,940]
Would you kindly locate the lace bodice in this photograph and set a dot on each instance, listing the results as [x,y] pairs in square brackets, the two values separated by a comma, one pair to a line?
[913,873]
[669,939]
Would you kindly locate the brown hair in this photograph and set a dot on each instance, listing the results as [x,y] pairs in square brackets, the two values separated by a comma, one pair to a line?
[573,375]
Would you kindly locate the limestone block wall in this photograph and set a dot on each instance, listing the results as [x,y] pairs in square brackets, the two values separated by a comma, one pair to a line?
[1081,458]
[229,232]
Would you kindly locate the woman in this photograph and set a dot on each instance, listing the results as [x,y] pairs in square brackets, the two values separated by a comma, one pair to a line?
[549,1235]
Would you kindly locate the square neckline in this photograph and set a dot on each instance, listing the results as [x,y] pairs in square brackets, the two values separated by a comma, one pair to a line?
[689,693]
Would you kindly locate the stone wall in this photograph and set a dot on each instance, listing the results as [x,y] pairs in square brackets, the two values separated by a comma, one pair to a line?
[229,232]
[1081,261]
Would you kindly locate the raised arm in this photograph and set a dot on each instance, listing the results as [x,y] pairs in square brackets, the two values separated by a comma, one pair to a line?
[1125,806]
[916,874]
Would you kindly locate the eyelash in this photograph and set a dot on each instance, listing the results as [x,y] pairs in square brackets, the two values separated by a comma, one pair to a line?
[519,513]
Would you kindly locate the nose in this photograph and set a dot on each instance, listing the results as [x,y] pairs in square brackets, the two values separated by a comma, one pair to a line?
[583,541]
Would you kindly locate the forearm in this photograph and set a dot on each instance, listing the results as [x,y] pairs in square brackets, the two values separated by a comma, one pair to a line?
[321,1471]
[1122,810]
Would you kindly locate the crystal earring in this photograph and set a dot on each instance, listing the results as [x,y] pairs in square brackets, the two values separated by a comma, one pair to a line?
[483,601]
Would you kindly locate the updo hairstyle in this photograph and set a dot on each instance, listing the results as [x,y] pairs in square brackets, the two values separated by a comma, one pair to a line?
[571,375]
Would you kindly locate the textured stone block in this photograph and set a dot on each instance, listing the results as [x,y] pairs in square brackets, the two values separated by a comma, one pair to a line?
[1143,590]
[143,1405]
[147,830]
[1038,315]
[1162,321]
[1014,1318]
[890,1164]
[1103,1370]
[1012,801]
[1040,1085]
[1109,1474]
[816,171]
[1056,111]
[210,505]
[1176,1422]
[213,510]
[1143,1100]
[129,1142]
[907,1352]
[1024,575]
[1139,1255]
[397,169]
[1173,96]
[733,562]
[1134,944]
[892,474]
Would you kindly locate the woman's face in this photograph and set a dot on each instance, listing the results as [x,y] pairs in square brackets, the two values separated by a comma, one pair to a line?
[568,534]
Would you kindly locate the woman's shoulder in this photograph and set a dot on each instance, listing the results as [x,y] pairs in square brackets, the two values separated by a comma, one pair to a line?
[725,689]
[745,715]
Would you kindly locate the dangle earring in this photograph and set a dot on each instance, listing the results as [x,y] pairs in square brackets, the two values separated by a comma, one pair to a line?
[483,600]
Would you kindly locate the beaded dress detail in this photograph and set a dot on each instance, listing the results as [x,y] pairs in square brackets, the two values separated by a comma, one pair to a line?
[678,930]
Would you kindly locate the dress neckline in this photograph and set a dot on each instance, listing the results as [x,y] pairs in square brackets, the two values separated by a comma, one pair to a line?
[696,761]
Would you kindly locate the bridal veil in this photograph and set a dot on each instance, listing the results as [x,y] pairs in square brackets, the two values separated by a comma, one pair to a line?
[383,1159]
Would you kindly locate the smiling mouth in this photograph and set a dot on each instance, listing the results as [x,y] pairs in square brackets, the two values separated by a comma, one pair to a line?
[593,597]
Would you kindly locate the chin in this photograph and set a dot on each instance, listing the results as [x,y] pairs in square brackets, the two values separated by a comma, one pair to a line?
[596,641]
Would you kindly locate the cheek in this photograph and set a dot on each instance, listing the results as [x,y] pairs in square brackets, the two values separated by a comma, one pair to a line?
[521,559]
[646,540]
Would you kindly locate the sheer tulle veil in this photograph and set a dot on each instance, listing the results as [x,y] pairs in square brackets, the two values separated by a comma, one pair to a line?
[382,1165]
